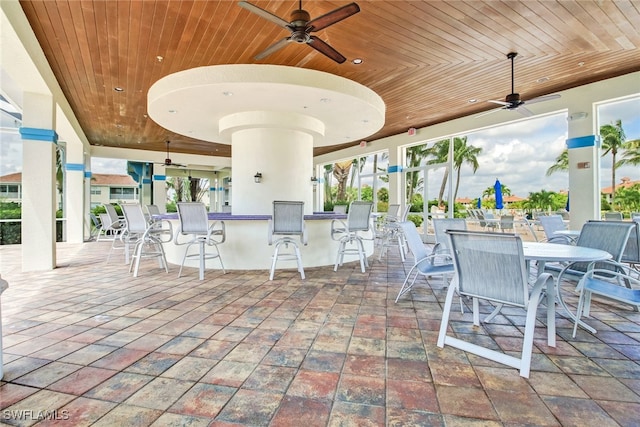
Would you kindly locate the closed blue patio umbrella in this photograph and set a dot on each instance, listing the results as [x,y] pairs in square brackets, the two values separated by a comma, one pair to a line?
[479,203]
[567,206]
[498,190]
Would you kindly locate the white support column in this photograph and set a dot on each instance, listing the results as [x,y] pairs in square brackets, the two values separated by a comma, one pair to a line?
[395,177]
[38,183]
[74,206]
[159,187]
[584,165]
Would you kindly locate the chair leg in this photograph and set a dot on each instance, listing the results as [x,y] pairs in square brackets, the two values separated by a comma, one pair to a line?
[299,260]
[273,262]
[444,323]
[340,255]
[201,272]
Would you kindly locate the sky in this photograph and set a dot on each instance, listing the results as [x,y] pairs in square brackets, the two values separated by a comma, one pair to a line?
[518,154]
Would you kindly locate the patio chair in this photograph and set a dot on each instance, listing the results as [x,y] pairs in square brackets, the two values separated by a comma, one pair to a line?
[491,267]
[486,219]
[631,253]
[609,236]
[390,234]
[440,227]
[425,264]
[114,225]
[613,216]
[152,211]
[194,223]
[287,222]
[94,227]
[110,224]
[340,209]
[506,223]
[147,237]
[550,225]
[349,233]
[620,286]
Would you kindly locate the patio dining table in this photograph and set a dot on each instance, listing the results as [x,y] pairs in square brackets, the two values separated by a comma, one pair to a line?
[543,252]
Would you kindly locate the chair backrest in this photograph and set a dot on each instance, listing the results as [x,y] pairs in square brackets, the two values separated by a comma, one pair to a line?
[111,211]
[631,251]
[440,227]
[153,210]
[550,224]
[393,211]
[490,266]
[414,241]
[613,216]
[193,218]
[610,236]
[358,216]
[288,217]
[134,217]
[506,222]
[340,209]
[635,216]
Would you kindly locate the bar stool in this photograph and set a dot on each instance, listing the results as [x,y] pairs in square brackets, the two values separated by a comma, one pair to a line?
[288,222]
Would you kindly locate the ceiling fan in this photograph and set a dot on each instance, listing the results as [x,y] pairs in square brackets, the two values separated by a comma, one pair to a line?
[168,162]
[301,27]
[513,101]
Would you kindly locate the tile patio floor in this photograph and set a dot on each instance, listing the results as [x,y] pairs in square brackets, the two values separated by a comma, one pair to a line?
[89,345]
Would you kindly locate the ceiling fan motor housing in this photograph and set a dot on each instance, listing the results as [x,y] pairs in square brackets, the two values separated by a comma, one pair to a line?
[514,99]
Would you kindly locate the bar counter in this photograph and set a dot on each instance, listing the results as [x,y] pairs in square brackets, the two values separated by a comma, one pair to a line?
[246,246]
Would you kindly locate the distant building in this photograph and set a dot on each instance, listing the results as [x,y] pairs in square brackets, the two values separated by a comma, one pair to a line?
[625,182]
[108,188]
[11,187]
[105,188]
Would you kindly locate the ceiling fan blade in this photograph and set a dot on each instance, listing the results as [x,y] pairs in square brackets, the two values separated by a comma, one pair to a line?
[499,102]
[332,17]
[486,113]
[263,13]
[325,49]
[276,46]
[543,98]
[524,111]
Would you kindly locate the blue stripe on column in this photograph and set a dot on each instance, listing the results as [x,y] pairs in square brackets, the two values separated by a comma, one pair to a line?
[221,188]
[36,134]
[212,188]
[87,174]
[146,181]
[583,141]
[159,177]
[394,169]
[74,167]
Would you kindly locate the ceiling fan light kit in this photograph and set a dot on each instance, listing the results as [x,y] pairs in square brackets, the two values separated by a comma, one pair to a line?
[301,26]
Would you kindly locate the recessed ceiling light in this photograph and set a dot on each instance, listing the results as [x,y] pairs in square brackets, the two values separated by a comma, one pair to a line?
[542,79]
[472,101]
[118,89]
[581,63]
[357,61]
[172,111]
[325,100]
[159,58]
[227,93]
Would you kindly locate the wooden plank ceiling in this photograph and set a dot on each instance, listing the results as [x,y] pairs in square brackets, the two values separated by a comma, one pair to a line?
[426,59]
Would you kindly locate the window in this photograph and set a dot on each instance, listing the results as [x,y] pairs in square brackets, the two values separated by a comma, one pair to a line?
[96,191]
[122,193]
[10,191]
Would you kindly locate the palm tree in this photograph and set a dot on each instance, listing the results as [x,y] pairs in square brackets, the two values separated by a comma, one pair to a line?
[440,153]
[613,138]
[561,164]
[415,155]
[631,155]
[341,171]
[463,153]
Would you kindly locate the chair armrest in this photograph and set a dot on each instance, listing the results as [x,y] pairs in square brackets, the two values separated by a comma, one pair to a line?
[160,230]
[338,226]
[217,232]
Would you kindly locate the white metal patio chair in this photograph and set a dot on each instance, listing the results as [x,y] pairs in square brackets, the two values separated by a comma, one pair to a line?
[622,286]
[349,233]
[613,216]
[110,224]
[194,223]
[152,212]
[491,267]
[507,223]
[390,233]
[116,227]
[550,225]
[286,224]
[147,237]
[425,263]
[609,236]
[440,227]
